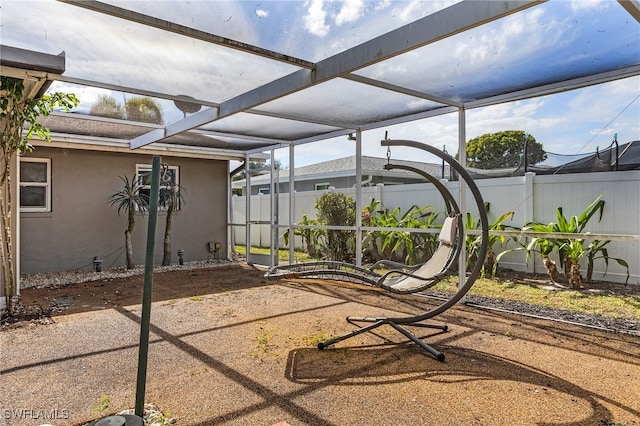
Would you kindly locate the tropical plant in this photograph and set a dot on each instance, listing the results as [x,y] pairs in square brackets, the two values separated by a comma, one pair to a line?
[473,242]
[337,209]
[312,238]
[597,250]
[400,246]
[171,198]
[129,200]
[544,247]
[17,113]
[572,250]
[107,106]
[143,109]
[137,108]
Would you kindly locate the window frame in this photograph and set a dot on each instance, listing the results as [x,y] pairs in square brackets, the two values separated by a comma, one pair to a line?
[148,168]
[47,185]
[324,185]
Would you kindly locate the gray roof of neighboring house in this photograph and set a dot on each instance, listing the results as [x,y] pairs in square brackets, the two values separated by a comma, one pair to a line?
[346,167]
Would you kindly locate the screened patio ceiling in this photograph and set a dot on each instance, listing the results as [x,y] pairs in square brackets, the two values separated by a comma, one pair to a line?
[235,78]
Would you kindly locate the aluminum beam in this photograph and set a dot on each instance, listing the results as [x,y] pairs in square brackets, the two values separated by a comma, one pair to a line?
[562,86]
[134,90]
[172,27]
[198,101]
[631,6]
[403,90]
[94,143]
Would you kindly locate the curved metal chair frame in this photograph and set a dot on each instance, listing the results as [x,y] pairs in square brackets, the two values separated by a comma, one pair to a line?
[344,272]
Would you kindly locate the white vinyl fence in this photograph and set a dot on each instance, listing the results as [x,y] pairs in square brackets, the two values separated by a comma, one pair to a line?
[530,198]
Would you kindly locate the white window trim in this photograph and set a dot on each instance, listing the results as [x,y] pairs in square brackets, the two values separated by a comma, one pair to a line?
[326,186]
[46,185]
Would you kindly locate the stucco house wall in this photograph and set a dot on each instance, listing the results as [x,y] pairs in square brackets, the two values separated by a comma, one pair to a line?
[82,225]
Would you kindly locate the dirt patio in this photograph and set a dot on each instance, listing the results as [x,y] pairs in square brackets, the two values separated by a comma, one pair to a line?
[229,347]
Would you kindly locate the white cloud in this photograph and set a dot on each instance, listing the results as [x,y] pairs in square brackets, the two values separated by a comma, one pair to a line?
[577,5]
[315,20]
[415,9]
[350,12]
[517,37]
[261,13]
[382,5]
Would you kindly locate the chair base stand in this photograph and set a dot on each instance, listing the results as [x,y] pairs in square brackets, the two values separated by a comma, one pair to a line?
[377,322]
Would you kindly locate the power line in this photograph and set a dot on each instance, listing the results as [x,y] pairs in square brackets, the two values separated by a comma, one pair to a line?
[608,124]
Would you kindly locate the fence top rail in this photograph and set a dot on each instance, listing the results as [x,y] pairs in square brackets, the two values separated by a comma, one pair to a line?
[565,235]
[526,234]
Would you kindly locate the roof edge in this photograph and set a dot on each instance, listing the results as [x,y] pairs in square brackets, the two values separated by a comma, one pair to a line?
[30,60]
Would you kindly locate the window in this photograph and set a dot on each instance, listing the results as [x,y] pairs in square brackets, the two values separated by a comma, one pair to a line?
[35,185]
[322,186]
[169,177]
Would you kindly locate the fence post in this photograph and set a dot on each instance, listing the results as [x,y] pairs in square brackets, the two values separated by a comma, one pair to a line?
[529,203]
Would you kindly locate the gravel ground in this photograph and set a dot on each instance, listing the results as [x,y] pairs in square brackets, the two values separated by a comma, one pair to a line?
[268,370]
[606,323]
[82,276]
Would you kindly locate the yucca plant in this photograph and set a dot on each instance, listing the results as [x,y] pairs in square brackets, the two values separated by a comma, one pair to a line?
[129,200]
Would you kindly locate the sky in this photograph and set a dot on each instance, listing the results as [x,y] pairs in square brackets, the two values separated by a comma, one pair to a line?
[571,122]
[574,122]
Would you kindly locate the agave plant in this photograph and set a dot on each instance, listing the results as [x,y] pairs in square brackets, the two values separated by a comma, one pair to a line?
[129,200]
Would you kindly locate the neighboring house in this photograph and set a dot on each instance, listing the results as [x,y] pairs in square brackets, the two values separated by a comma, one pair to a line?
[341,173]
[65,220]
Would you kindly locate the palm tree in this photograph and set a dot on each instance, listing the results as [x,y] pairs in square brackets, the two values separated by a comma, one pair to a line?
[129,199]
[107,106]
[170,198]
[144,109]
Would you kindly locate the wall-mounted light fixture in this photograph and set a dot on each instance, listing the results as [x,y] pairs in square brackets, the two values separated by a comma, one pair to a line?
[97,264]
